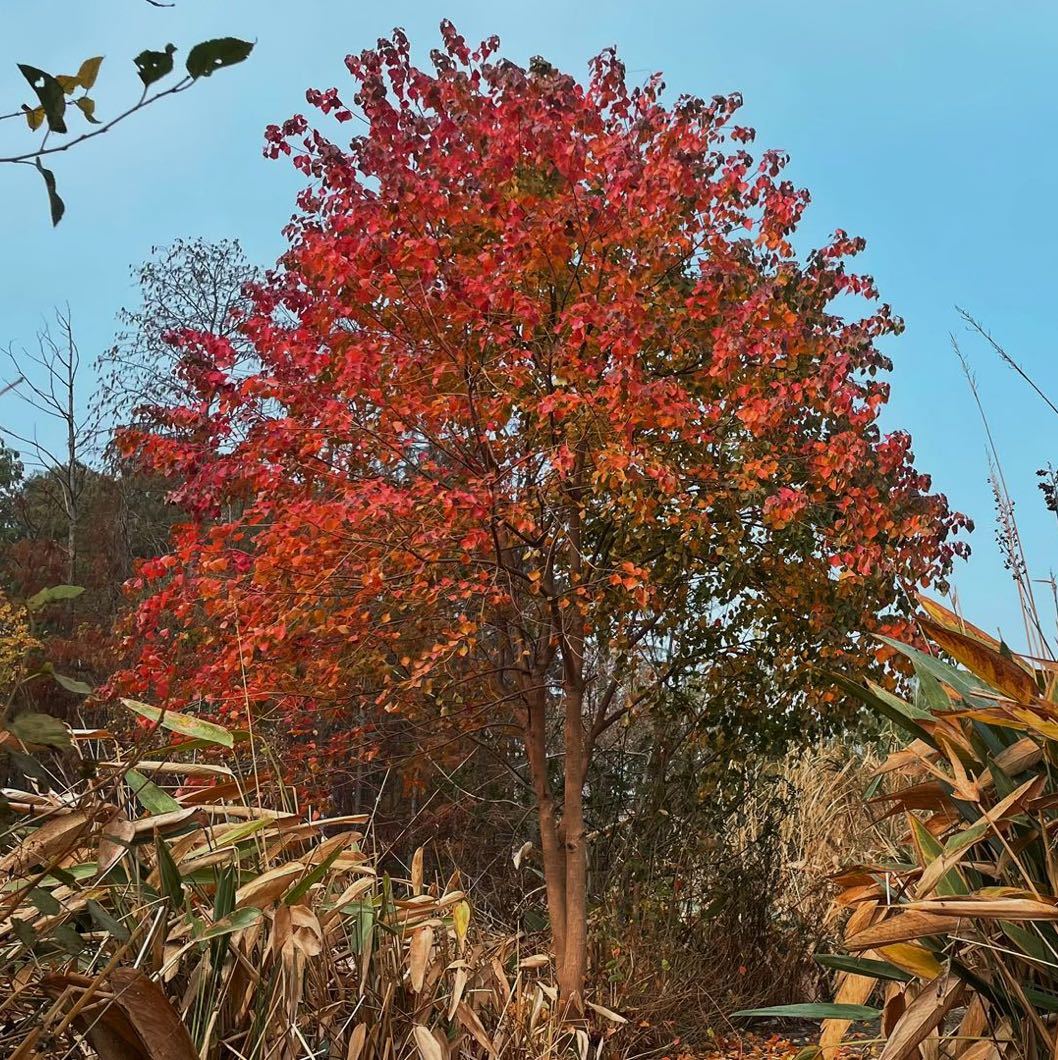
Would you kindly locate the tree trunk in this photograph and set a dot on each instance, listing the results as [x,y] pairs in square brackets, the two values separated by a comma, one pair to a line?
[563,845]
[572,968]
[552,851]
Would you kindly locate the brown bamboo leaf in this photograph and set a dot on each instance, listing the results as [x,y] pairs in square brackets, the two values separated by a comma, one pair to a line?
[426,1043]
[915,753]
[606,1013]
[894,1007]
[465,1015]
[114,842]
[950,620]
[1019,756]
[997,670]
[937,869]
[912,924]
[357,1040]
[417,871]
[267,887]
[419,955]
[165,822]
[138,1023]
[921,1017]
[987,908]
[852,990]
[861,917]
[54,837]
[985,1049]
[458,986]
[973,1025]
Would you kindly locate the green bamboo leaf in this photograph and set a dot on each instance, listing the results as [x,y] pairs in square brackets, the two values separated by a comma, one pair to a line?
[172,884]
[820,1011]
[237,921]
[840,962]
[41,729]
[964,682]
[301,888]
[899,717]
[71,684]
[105,921]
[149,795]
[184,724]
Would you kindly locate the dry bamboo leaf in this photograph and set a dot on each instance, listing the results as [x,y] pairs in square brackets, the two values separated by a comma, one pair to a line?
[913,924]
[55,837]
[974,1024]
[539,1004]
[162,822]
[416,871]
[583,1043]
[1019,756]
[442,1043]
[852,990]
[861,917]
[419,955]
[937,869]
[138,1023]
[916,752]
[458,986]
[997,670]
[606,1013]
[114,842]
[426,1043]
[537,960]
[306,932]
[988,908]
[950,620]
[267,887]
[985,1049]
[465,1014]
[893,1009]
[357,1041]
[501,979]
[921,1017]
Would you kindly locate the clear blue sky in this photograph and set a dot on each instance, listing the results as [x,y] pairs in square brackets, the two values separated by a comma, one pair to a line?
[927,127]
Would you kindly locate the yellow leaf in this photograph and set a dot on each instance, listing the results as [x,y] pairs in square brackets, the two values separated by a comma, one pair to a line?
[88,71]
[68,82]
[87,107]
[34,117]
[461,920]
[911,958]
[997,670]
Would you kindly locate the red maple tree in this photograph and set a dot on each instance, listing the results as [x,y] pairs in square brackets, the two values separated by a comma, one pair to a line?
[549,415]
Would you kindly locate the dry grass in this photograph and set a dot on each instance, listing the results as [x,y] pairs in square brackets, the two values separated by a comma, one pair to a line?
[190,917]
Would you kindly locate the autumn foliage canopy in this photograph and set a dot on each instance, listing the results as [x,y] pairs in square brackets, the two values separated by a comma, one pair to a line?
[549,415]
[536,349]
